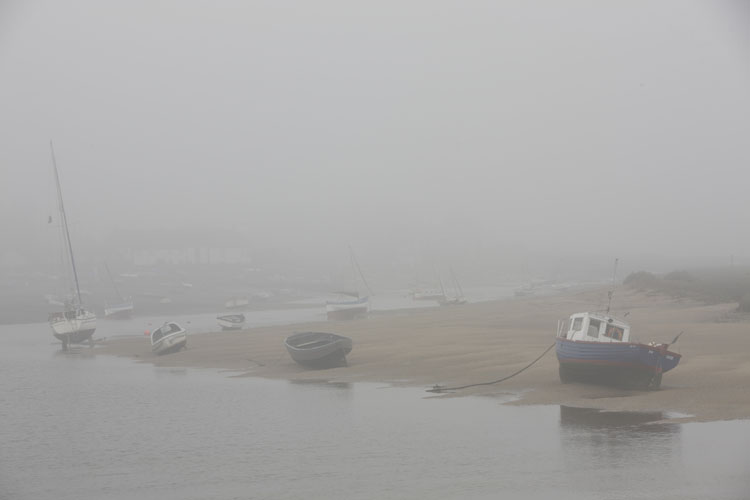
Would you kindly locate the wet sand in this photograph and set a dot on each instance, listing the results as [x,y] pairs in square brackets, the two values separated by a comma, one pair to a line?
[482,342]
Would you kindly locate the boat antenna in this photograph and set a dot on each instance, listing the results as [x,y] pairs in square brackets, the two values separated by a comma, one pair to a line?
[612,290]
[65,223]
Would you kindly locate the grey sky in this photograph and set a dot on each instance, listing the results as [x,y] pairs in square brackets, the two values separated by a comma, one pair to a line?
[383,123]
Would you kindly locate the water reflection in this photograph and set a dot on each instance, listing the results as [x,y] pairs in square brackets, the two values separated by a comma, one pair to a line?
[75,352]
[322,383]
[593,419]
[170,371]
[613,443]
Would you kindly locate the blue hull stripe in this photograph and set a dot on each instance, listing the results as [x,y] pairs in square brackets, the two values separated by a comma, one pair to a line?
[637,356]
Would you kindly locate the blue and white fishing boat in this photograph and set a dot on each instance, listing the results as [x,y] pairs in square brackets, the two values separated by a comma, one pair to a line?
[597,348]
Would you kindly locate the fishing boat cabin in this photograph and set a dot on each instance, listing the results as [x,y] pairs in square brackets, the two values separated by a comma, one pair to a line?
[594,327]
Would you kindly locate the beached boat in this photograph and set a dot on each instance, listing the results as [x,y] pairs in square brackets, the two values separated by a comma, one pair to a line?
[457,298]
[318,349]
[597,348]
[74,325]
[347,306]
[231,321]
[170,337]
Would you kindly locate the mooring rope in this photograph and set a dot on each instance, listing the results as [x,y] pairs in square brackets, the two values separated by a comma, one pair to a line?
[438,388]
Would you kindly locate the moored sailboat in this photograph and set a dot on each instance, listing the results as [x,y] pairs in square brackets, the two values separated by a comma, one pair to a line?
[121,309]
[349,304]
[457,298]
[75,324]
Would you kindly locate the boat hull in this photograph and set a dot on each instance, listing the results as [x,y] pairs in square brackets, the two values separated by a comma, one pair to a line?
[170,337]
[348,309]
[318,349]
[457,301]
[614,363]
[73,330]
[231,322]
[170,343]
[123,311]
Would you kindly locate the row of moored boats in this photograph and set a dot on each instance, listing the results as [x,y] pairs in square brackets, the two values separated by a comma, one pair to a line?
[594,347]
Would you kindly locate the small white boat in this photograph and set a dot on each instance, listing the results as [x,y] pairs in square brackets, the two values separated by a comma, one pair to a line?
[236,303]
[121,310]
[426,294]
[348,308]
[231,321]
[348,304]
[170,337]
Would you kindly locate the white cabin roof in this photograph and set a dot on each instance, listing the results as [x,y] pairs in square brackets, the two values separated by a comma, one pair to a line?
[597,327]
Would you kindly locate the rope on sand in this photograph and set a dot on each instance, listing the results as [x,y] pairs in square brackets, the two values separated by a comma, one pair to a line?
[439,388]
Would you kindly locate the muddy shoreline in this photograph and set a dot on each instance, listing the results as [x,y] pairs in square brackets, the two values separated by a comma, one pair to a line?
[487,341]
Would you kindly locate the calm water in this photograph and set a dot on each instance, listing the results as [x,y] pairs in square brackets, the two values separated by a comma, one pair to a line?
[87,426]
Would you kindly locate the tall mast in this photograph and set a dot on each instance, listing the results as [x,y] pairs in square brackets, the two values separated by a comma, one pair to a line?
[65,224]
[355,264]
[457,284]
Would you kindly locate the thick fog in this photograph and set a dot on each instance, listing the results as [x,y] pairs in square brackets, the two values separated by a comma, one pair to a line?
[478,134]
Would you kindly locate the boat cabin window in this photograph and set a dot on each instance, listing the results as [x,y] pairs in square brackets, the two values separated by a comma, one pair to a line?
[593,330]
[614,332]
[577,325]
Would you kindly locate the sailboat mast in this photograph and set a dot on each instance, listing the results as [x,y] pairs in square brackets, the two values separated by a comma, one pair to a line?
[65,223]
[456,283]
[359,270]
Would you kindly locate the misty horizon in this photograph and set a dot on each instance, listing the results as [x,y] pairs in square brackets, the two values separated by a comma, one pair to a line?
[498,137]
